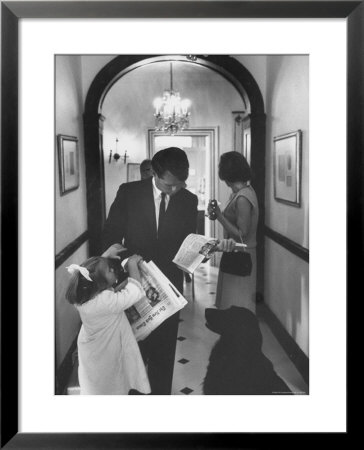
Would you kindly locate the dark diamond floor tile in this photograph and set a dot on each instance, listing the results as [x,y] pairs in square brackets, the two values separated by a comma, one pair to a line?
[186,390]
[181,338]
[184,361]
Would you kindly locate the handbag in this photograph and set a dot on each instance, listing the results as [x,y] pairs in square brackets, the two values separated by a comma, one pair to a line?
[236,263]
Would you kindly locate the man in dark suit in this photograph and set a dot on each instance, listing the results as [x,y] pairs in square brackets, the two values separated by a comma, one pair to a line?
[152,217]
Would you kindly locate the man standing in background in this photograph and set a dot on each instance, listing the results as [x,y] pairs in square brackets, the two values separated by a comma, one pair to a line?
[145,168]
[151,218]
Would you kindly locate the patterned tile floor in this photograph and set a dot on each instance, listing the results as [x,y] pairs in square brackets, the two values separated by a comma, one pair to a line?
[195,341]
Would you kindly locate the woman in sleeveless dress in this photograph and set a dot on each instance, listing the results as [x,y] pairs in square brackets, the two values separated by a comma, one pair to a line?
[239,220]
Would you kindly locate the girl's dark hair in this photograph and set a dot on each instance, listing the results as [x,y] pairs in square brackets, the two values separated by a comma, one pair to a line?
[81,290]
[234,167]
[172,159]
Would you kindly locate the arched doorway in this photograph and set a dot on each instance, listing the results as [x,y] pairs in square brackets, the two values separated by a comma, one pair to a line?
[232,70]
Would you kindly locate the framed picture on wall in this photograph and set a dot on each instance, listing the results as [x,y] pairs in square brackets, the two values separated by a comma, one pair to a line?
[69,168]
[287,168]
[133,172]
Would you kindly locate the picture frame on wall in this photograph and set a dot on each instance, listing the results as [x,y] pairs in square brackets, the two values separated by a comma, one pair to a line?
[133,172]
[287,166]
[69,163]
[12,433]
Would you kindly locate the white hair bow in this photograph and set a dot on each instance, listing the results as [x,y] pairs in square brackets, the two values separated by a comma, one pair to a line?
[76,268]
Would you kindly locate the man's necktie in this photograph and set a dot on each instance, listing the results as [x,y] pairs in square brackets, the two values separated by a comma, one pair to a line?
[162,210]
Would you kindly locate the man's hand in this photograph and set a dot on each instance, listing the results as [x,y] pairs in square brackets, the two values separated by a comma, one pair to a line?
[114,251]
[226,245]
[133,261]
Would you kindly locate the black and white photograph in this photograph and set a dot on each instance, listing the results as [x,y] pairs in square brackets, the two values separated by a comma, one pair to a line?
[175,145]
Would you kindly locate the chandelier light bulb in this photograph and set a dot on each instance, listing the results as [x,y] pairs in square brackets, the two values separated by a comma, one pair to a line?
[158,102]
[171,113]
[185,104]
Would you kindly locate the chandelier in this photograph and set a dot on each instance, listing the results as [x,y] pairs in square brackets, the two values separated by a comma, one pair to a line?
[171,113]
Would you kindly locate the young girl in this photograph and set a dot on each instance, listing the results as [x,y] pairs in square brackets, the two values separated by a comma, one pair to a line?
[109,358]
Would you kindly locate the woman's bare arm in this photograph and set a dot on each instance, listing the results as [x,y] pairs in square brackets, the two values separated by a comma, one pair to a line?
[240,231]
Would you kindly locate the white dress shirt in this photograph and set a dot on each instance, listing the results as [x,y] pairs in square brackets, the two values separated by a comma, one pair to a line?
[157,200]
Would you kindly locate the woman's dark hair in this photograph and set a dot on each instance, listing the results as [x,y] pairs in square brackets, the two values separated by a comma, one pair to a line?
[234,167]
[172,159]
[81,290]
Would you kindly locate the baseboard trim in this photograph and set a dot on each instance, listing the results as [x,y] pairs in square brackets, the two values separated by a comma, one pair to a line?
[68,251]
[64,371]
[288,244]
[295,354]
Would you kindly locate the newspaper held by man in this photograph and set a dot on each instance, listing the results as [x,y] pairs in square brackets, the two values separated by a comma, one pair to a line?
[196,249]
[161,301]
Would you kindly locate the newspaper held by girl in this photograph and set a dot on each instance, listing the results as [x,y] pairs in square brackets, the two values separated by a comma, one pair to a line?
[109,358]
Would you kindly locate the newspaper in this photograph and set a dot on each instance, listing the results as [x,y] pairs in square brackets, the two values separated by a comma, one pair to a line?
[161,301]
[195,249]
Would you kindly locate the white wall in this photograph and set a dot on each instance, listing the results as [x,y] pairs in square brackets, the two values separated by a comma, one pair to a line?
[71,213]
[286,276]
[287,110]
[287,291]
[69,108]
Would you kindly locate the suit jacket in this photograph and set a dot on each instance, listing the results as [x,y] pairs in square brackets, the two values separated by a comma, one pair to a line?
[132,219]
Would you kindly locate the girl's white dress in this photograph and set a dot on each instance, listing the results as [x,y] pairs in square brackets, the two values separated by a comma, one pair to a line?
[109,358]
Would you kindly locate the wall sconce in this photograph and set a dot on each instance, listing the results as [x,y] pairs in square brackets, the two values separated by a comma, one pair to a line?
[116,154]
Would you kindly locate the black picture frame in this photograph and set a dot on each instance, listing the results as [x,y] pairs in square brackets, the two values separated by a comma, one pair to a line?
[69,163]
[287,168]
[11,13]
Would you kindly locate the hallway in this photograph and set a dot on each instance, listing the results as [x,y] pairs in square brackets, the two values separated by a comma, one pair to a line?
[248,90]
[195,341]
